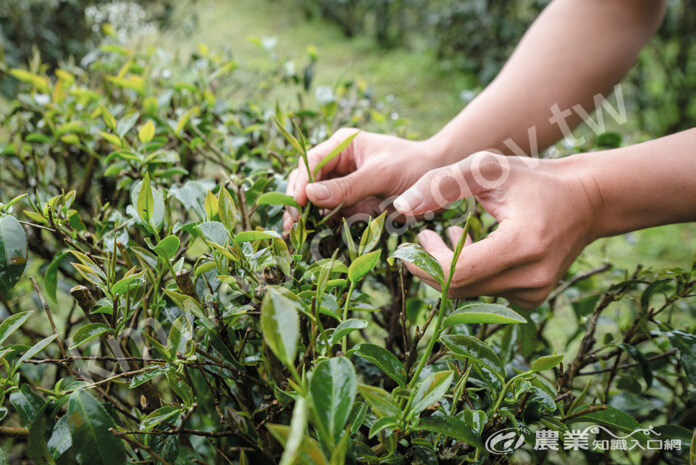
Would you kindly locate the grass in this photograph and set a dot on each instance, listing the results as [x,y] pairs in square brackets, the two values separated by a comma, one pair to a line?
[410,79]
[420,93]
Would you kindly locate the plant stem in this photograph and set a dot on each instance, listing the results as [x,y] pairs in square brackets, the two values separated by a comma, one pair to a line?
[344,339]
[433,339]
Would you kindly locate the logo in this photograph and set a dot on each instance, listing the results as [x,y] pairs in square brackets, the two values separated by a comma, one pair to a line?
[508,440]
[504,442]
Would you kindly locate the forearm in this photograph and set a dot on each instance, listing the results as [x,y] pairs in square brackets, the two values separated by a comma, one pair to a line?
[575,50]
[640,186]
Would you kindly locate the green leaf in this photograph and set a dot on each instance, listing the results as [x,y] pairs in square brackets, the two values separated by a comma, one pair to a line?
[152,204]
[89,426]
[347,327]
[451,427]
[333,390]
[298,427]
[335,152]
[431,390]
[309,452]
[381,402]
[146,132]
[382,424]
[36,348]
[248,236]
[277,198]
[37,449]
[384,359]
[126,124]
[280,323]
[372,234]
[27,403]
[13,253]
[146,376]
[51,275]
[146,201]
[417,255]
[158,416]
[477,351]
[612,418]
[546,362]
[227,209]
[60,440]
[87,333]
[289,137]
[363,265]
[214,232]
[483,313]
[167,247]
[129,282]
[643,363]
[12,324]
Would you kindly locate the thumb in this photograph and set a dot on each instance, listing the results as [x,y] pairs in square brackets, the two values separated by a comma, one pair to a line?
[437,188]
[350,189]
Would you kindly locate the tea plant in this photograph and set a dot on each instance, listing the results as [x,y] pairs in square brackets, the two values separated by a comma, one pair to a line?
[156,314]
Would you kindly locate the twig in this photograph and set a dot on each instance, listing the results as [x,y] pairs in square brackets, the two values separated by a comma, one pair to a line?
[50,317]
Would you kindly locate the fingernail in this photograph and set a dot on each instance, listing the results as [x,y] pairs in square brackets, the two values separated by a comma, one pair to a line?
[409,201]
[423,240]
[318,191]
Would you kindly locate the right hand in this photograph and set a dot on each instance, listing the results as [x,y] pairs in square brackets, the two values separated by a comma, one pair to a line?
[371,168]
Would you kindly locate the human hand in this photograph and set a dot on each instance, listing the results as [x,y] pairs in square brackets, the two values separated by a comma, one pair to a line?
[546,210]
[371,168]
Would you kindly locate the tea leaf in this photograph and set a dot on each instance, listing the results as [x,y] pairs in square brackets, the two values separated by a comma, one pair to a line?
[475,350]
[431,390]
[333,391]
[87,333]
[13,253]
[277,198]
[415,254]
[546,362]
[362,265]
[89,427]
[335,152]
[280,323]
[483,313]
[385,360]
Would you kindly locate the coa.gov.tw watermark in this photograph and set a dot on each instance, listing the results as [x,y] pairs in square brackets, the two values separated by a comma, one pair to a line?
[594,438]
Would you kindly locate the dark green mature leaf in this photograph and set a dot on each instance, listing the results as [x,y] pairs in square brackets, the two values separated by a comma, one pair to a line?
[483,313]
[385,360]
[546,362]
[87,333]
[280,323]
[12,324]
[37,449]
[13,253]
[335,152]
[643,363]
[363,265]
[60,440]
[51,275]
[36,348]
[333,390]
[277,198]
[417,255]
[146,376]
[348,326]
[381,402]
[451,427]
[89,426]
[686,343]
[27,403]
[477,351]
[613,418]
[431,390]
[309,452]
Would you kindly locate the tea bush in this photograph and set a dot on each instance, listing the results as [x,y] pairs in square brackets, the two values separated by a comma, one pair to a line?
[155,314]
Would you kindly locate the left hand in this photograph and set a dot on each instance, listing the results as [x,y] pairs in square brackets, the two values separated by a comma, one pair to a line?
[547,211]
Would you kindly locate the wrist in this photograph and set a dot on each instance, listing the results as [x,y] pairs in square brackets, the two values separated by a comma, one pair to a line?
[580,171]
